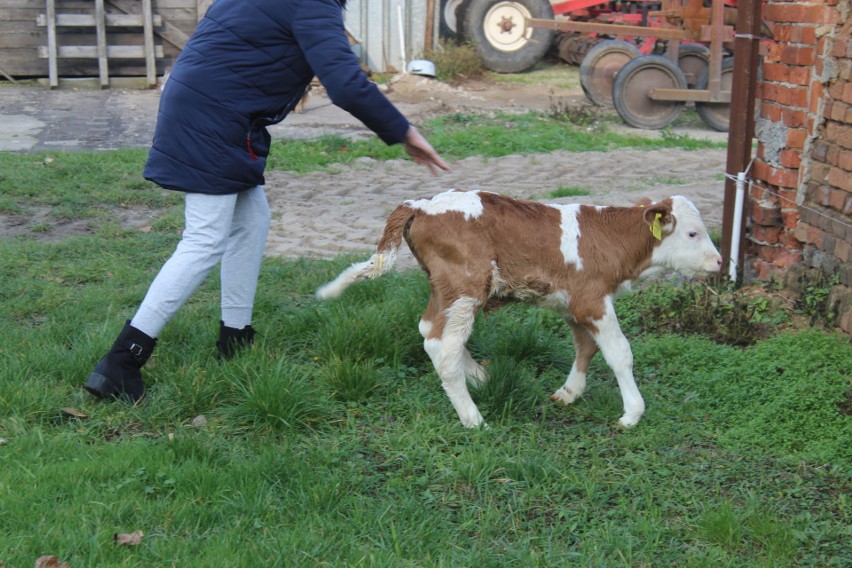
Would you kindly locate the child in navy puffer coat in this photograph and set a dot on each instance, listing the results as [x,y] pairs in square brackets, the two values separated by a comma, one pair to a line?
[245,67]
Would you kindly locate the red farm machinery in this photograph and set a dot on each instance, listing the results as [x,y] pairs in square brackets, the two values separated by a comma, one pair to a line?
[647,59]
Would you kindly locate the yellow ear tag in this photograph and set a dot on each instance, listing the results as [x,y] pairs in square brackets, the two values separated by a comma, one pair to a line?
[656,229]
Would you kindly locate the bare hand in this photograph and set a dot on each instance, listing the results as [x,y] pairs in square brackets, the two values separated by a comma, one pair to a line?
[422,152]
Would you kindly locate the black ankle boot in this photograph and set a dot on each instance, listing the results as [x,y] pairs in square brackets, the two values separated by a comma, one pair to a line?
[232,340]
[117,375]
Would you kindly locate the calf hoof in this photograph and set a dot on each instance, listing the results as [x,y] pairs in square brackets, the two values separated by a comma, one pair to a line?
[565,396]
[629,421]
[478,422]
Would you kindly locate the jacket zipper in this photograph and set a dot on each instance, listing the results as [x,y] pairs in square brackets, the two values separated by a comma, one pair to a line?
[248,145]
[291,104]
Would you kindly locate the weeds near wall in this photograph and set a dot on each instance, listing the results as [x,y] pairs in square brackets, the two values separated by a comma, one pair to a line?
[814,300]
[730,316]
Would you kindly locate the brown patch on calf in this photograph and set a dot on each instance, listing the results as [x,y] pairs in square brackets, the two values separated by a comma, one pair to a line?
[616,246]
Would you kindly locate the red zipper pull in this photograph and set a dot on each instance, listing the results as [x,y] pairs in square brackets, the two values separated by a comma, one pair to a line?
[250,151]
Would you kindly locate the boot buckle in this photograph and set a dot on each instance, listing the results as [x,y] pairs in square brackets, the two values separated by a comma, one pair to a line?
[138,353]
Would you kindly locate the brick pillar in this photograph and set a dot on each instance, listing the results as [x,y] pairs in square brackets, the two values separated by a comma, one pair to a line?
[801,209]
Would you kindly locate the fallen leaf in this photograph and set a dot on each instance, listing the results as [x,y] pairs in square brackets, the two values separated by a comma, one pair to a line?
[131,539]
[50,562]
[2,443]
[73,412]
[145,229]
[199,420]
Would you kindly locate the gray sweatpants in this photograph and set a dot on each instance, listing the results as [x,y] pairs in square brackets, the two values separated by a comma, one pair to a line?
[230,229]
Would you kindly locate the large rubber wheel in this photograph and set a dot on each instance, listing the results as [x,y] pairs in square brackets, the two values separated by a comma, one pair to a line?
[717,115]
[693,59]
[449,19]
[600,66]
[499,31]
[630,92]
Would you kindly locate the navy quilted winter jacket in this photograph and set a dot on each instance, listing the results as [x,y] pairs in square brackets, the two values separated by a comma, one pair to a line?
[245,67]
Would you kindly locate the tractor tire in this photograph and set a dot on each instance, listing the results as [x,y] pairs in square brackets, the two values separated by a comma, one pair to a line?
[601,65]
[717,115]
[632,85]
[498,30]
[573,47]
[693,59]
[449,28]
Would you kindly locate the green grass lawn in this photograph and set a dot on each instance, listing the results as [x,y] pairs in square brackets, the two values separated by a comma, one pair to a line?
[331,442]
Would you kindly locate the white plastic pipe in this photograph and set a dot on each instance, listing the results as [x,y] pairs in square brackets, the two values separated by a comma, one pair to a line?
[736,229]
[401,37]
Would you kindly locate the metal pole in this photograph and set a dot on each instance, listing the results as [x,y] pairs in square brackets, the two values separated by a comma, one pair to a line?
[741,133]
[737,229]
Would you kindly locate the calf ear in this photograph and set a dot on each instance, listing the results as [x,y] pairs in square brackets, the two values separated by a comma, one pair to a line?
[658,216]
[665,214]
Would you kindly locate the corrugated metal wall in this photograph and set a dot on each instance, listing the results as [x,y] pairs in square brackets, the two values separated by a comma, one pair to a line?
[375,24]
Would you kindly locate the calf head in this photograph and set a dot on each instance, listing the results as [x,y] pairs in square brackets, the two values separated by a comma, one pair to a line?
[684,244]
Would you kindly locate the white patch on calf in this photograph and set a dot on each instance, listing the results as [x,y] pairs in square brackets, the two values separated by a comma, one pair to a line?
[558,302]
[569,242]
[465,202]
[497,282]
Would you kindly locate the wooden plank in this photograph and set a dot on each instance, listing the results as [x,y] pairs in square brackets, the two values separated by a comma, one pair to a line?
[91,52]
[201,7]
[148,32]
[612,29]
[70,5]
[8,77]
[170,32]
[689,95]
[26,63]
[52,70]
[81,36]
[100,27]
[88,20]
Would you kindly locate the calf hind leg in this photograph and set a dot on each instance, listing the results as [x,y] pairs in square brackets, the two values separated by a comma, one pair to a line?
[473,371]
[585,348]
[445,344]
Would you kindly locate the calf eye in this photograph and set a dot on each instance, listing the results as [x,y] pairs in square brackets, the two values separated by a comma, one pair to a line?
[693,234]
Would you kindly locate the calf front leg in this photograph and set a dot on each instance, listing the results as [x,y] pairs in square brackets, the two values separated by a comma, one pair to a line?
[616,350]
[585,348]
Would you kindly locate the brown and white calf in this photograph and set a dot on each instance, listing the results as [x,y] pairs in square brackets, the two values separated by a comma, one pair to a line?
[483,250]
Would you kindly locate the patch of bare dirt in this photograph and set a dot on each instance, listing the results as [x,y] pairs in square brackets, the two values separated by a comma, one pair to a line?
[41,224]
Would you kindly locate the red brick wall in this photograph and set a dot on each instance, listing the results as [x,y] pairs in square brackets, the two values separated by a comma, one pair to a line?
[801,204]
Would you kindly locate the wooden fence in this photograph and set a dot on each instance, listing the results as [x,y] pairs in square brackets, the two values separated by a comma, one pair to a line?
[25,27]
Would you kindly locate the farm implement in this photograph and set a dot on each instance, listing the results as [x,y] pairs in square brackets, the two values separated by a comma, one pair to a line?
[647,59]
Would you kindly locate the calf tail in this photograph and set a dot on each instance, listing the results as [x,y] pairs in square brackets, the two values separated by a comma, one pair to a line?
[380,263]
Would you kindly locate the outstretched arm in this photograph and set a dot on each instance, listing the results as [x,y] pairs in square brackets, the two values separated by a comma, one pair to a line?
[422,152]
